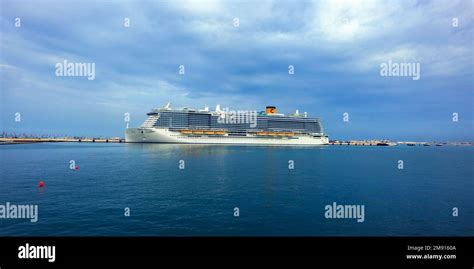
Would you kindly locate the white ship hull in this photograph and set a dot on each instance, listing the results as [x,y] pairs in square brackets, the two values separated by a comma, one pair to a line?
[164,135]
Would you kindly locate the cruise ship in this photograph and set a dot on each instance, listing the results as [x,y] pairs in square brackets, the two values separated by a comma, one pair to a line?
[222,126]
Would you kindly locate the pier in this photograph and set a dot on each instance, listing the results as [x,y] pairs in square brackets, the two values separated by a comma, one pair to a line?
[363,143]
[397,143]
[15,140]
[27,140]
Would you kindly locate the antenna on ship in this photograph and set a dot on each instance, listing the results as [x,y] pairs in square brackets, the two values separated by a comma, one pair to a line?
[168,105]
[218,108]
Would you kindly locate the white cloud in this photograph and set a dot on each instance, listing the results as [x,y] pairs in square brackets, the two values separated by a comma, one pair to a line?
[198,7]
[354,20]
[440,60]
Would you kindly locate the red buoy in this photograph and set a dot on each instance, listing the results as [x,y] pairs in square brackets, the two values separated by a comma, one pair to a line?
[41,184]
[77,167]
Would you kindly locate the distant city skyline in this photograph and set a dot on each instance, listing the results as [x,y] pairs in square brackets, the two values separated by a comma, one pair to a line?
[400,70]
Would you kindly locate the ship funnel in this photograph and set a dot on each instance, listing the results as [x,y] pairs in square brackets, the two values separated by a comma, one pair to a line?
[218,108]
[168,105]
[270,110]
[297,112]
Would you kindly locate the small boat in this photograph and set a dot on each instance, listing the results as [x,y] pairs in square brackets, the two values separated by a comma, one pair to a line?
[386,144]
[411,144]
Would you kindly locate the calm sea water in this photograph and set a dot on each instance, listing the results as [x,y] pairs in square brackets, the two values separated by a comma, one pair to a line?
[200,199]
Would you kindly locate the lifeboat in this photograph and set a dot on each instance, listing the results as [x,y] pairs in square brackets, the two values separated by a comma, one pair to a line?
[186,131]
[261,133]
[290,134]
[209,132]
[198,132]
[219,132]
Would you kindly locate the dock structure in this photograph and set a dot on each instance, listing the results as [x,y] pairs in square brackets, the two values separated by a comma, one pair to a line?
[15,140]
[363,143]
[26,140]
[398,143]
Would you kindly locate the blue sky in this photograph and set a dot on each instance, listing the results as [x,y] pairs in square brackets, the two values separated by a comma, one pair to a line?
[336,48]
